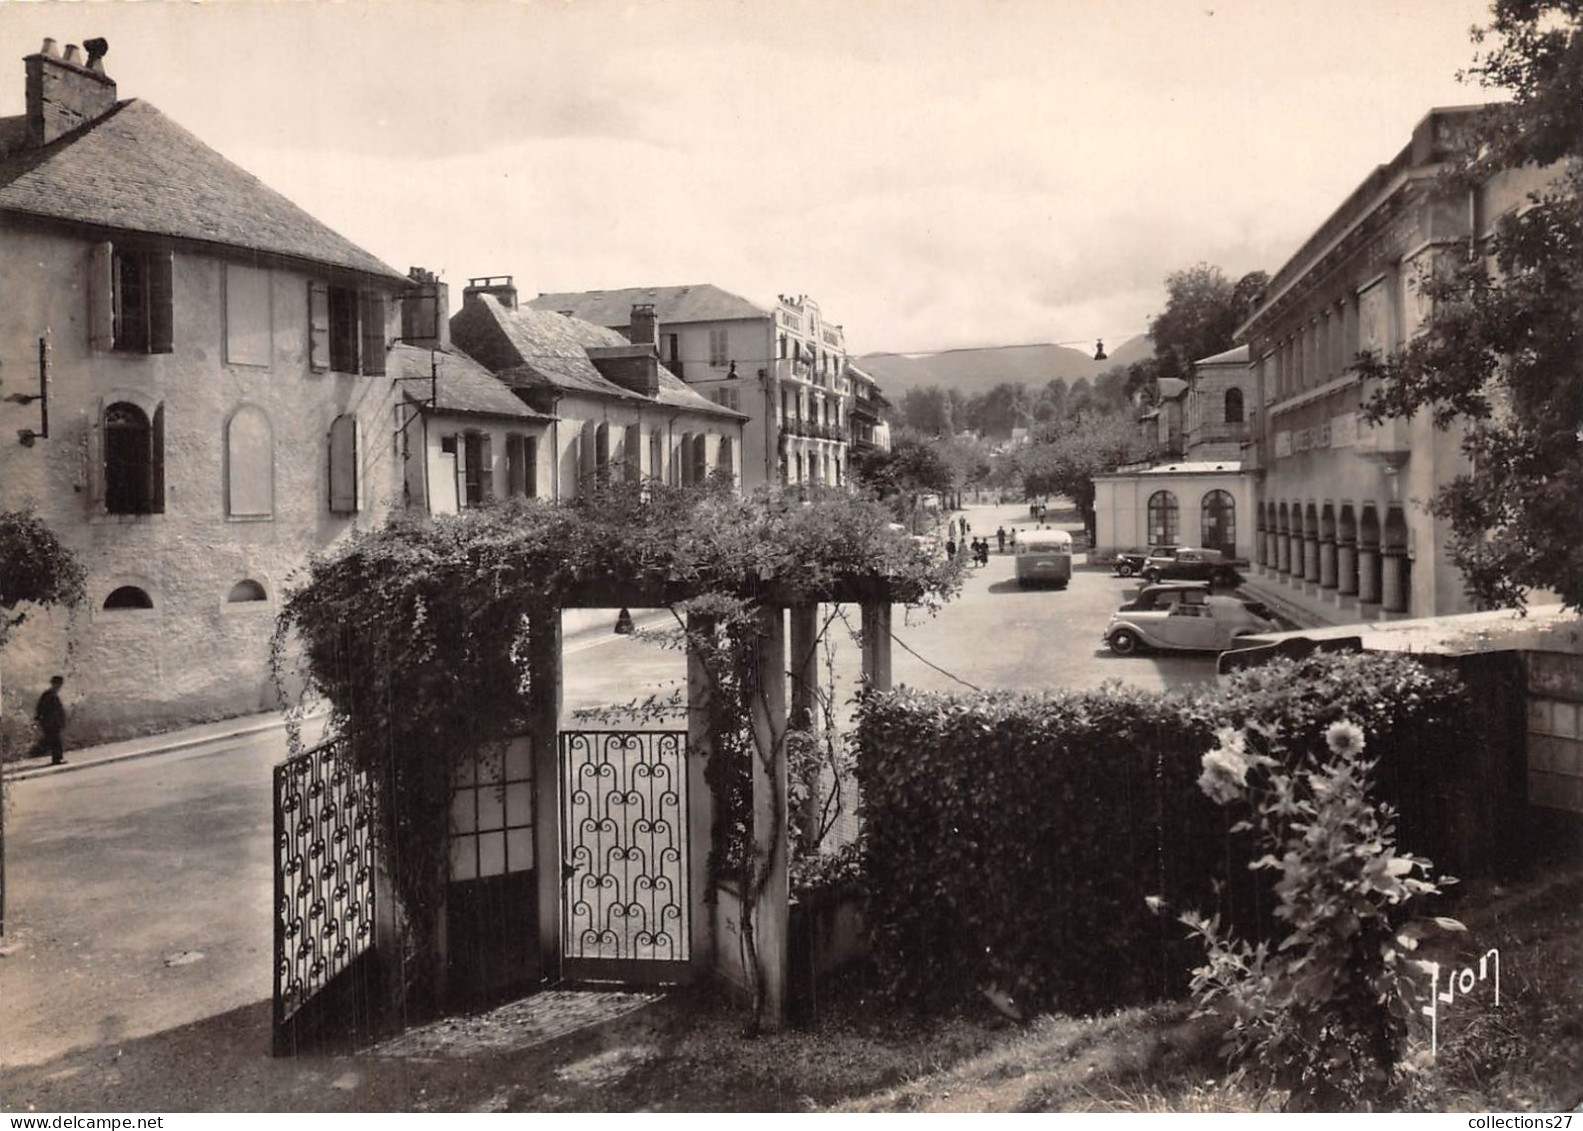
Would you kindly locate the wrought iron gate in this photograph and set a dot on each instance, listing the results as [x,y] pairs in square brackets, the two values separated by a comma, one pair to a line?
[325,978]
[625,913]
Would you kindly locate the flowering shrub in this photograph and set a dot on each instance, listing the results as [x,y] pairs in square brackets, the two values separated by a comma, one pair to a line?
[1322,1014]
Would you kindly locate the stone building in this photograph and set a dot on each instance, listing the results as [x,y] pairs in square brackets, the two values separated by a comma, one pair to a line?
[785,367]
[216,399]
[1219,401]
[1344,530]
[611,410]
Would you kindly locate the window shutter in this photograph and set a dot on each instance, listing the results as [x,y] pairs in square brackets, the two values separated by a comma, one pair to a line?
[95,456]
[161,302]
[486,468]
[588,457]
[343,465]
[318,326]
[530,467]
[156,463]
[459,441]
[101,297]
[372,317]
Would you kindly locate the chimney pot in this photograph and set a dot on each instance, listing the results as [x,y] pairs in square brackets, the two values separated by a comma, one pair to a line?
[73,55]
[50,48]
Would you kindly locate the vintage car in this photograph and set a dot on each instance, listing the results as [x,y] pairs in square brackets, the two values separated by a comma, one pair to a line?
[1130,562]
[1208,625]
[1162,594]
[1187,563]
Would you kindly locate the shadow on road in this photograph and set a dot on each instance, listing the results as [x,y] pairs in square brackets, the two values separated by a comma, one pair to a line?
[1176,669]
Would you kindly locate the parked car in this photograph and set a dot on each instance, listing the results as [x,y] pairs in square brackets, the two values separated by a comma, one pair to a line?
[1210,625]
[1162,594]
[1130,562]
[1185,563]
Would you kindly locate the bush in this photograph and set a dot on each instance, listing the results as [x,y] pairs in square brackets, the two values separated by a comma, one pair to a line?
[1019,842]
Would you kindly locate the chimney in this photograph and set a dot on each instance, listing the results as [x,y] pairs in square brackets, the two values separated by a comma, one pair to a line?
[500,286]
[635,368]
[643,330]
[426,311]
[64,93]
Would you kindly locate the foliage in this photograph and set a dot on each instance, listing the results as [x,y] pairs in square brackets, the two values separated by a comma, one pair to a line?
[416,633]
[1503,350]
[1202,311]
[1321,1013]
[1064,457]
[1013,840]
[35,568]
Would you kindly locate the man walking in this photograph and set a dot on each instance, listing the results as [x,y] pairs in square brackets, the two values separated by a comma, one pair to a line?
[50,715]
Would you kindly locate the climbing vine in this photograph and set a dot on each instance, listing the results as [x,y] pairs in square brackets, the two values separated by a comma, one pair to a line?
[415,634]
[35,568]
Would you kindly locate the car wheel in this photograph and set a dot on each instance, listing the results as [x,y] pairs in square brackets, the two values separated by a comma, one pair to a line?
[1124,642]
[1125,569]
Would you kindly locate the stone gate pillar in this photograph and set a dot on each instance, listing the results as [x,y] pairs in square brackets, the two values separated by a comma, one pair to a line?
[771,914]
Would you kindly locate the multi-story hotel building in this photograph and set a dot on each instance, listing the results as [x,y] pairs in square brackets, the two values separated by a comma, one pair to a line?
[783,366]
[1343,525]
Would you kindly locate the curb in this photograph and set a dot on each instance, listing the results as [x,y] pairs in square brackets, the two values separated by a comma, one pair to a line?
[171,747]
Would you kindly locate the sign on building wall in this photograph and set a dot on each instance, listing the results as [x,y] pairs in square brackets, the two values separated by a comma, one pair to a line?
[1344,430]
[1283,445]
[1416,273]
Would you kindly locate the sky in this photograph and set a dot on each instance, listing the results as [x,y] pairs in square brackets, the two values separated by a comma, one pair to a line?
[935,173]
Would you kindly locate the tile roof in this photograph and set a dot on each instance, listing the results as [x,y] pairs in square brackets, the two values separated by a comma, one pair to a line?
[462,385]
[1229,357]
[136,170]
[550,350]
[702,302]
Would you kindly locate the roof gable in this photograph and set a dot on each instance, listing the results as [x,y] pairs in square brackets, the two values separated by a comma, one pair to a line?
[136,170]
[702,302]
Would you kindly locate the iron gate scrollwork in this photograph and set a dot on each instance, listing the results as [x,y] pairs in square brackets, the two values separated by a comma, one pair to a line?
[625,829]
[324,894]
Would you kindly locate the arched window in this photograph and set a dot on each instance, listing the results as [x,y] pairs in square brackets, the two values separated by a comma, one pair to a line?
[726,461]
[128,597]
[1219,523]
[700,458]
[246,590]
[1233,406]
[1164,522]
[250,464]
[134,472]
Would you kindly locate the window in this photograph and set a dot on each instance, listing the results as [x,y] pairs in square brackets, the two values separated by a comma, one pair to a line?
[726,459]
[1234,406]
[247,590]
[134,456]
[247,315]
[632,453]
[1164,527]
[1219,523]
[478,470]
[249,464]
[346,329]
[717,349]
[783,346]
[130,304]
[343,465]
[602,454]
[522,465]
[128,597]
[492,814]
[726,395]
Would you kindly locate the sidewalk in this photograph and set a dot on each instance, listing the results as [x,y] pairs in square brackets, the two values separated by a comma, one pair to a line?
[244,726]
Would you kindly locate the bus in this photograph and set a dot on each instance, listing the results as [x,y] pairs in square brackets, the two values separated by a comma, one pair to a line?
[1044,557]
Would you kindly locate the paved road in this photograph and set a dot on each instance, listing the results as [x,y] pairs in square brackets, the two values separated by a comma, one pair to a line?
[139,891]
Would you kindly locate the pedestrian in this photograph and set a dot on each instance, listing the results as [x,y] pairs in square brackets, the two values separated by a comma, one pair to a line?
[950,549]
[1013,539]
[50,715]
[966,529]
[1000,536]
[981,548]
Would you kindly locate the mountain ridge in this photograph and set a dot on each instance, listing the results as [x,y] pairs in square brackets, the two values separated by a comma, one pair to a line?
[978,370]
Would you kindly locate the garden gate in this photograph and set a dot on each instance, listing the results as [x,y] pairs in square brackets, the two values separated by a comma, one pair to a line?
[326,980]
[625,912]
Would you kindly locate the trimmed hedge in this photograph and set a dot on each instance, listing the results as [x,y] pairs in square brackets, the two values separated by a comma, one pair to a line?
[1011,840]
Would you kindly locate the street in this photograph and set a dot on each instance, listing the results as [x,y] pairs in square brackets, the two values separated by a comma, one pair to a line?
[140,891]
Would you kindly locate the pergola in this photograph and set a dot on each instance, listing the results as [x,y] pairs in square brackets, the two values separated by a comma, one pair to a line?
[787,686]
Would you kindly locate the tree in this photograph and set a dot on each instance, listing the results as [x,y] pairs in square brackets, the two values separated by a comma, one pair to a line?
[998,411]
[1064,459]
[1202,311]
[1503,351]
[35,568]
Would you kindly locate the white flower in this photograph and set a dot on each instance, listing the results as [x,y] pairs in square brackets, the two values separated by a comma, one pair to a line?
[1344,738]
